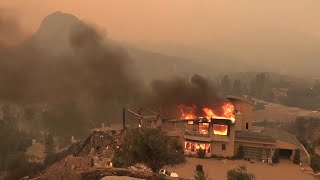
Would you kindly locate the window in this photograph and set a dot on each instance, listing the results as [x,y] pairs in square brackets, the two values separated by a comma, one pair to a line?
[220,129]
[203,128]
[223,147]
[247,125]
[194,147]
[190,122]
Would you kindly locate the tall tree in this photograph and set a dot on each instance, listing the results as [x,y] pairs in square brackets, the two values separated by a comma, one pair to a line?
[226,84]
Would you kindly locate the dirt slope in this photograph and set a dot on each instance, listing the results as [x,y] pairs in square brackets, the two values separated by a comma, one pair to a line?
[281,113]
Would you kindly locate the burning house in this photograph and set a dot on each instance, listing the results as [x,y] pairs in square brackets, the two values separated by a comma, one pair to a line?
[222,133]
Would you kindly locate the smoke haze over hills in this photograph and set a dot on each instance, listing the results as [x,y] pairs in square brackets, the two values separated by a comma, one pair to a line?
[280,36]
[67,60]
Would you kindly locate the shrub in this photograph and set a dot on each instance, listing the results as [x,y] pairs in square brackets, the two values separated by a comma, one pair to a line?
[199,174]
[199,168]
[18,167]
[296,158]
[201,153]
[240,173]
[275,157]
[315,163]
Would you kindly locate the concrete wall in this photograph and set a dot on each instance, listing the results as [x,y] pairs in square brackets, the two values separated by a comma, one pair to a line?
[216,149]
[246,114]
[217,142]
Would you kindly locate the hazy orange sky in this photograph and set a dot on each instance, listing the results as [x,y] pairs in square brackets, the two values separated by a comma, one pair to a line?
[191,22]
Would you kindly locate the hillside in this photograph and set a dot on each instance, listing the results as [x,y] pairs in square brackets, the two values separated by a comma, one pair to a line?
[280,113]
[55,31]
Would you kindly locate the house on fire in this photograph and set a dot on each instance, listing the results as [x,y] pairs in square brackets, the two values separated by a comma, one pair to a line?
[222,137]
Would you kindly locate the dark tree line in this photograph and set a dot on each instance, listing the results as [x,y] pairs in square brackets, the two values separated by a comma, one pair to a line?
[258,87]
[263,86]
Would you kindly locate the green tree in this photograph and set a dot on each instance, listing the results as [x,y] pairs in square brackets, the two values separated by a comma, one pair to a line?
[315,162]
[18,167]
[49,144]
[65,119]
[199,174]
[148,146]
[296,158]
[240,173]
[239,88]
[275,157]
[260,87]
[13,140]
[226,84]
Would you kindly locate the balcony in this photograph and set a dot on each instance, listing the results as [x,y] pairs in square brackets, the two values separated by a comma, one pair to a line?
[196,135]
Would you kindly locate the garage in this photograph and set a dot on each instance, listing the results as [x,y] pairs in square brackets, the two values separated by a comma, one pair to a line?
[285,153]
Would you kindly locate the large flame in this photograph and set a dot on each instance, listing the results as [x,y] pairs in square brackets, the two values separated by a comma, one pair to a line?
[188,112]
[219,129]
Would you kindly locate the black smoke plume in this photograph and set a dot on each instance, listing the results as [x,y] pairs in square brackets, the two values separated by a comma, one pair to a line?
[197,91]
[66,60]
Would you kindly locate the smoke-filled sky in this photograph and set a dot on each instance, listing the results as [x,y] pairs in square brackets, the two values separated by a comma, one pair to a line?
[204,23]
[266,35]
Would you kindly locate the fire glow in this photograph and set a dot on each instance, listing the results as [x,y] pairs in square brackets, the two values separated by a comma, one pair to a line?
[188,112]
[220,129]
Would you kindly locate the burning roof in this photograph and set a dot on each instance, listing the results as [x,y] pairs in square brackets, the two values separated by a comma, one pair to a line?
[225,112]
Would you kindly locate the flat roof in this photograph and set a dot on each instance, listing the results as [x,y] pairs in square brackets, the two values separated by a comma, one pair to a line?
[268,135]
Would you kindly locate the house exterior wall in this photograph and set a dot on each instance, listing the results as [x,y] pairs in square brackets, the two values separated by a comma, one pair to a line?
[243,111]
[243,114]
[229,145]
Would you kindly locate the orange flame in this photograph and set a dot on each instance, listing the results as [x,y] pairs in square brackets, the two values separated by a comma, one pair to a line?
[220,129]
[187,112]
[227,112]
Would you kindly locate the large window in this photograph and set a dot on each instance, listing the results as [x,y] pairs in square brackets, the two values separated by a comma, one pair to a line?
[203,128]
[194,147]
[220,129]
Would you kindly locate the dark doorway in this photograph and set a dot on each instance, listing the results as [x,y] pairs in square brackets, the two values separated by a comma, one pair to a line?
[285,153]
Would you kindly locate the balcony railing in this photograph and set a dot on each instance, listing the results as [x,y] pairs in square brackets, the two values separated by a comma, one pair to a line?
[195,133]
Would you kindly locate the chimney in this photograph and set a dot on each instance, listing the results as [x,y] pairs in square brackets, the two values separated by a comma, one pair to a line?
[33,141]
[102,125]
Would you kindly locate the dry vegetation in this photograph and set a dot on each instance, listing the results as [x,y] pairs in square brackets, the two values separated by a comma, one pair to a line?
[281,113]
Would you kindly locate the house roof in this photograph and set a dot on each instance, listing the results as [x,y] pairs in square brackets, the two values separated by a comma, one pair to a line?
[281,135]
[270,135]
[254,136]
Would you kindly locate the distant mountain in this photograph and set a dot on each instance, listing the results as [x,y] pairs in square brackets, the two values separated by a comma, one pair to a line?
[54,33]
[286,52]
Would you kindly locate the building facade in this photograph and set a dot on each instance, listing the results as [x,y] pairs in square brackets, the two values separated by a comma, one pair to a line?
[223,138]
